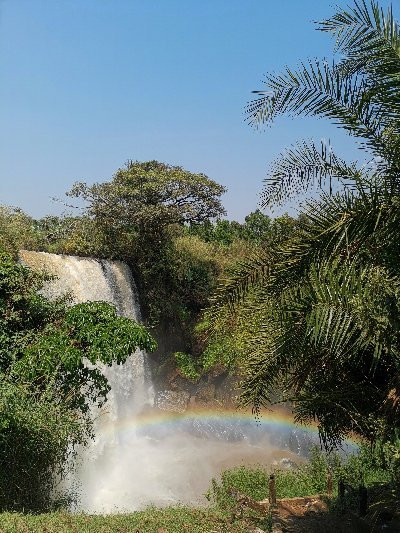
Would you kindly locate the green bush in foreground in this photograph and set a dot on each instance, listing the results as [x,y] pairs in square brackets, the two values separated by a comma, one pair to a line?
[304,480]
[37,432]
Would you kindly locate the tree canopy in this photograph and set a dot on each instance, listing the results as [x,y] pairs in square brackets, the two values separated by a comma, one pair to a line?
[150,196]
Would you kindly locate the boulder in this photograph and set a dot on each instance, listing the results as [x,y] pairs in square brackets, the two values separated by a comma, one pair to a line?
[171,400]
[206,392]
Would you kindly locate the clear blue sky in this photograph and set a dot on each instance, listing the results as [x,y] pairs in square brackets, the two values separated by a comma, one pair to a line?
[87,84]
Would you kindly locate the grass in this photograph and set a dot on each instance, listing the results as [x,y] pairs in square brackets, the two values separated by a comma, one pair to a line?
[152,520]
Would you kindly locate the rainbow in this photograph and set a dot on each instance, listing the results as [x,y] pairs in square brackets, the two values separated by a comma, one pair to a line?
[268,421]
[157,418]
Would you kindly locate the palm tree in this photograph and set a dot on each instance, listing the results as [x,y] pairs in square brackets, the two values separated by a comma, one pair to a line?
[329,340]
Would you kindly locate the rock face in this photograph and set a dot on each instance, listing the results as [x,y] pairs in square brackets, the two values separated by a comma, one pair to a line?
[215,390]
[206,393]
[177,394]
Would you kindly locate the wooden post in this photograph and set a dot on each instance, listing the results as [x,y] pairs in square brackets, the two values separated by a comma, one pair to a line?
[329,483]
[341,489]
[272,490]
[363,500]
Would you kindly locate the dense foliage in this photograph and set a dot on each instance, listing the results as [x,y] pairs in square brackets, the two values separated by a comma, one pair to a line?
[150,196]
[176,272]
[136,216]
[37,434]
[256,229]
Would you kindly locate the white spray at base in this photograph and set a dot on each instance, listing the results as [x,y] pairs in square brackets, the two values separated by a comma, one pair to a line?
[127,467]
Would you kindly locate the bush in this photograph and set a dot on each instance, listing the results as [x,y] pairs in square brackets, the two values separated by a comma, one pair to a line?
[37,433]
[252,481]
[187,366]
[304,480]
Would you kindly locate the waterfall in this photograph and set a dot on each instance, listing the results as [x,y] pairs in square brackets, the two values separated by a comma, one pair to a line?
[86,279]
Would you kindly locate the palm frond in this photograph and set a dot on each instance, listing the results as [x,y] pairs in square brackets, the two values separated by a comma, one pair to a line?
[328,336]
[360,94]
[368,37]
[344,225]
[319,89]
[303,166]
[370,42]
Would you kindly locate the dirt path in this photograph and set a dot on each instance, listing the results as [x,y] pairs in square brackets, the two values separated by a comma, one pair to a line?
[308,515]
[320,523]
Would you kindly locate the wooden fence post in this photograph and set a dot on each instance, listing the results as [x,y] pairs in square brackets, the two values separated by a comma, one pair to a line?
[272,490]
[329,483]
[341,489]
[363,500]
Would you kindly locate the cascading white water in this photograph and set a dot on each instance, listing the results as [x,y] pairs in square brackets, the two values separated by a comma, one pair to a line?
[129,465]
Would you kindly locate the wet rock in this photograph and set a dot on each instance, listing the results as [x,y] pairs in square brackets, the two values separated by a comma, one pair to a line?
[227,390]
[171,400]
[180,383]
[192,401]
[206,392]
[285,463]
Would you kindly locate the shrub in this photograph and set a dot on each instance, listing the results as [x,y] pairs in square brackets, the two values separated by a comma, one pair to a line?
[304,480]
[187,366]
[37,433]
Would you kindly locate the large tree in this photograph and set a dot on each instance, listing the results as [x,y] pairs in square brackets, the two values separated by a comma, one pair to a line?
[148,197]
[329,340]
